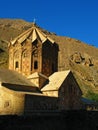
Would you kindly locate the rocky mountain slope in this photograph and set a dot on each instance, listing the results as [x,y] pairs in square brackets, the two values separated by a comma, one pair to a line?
[75,55]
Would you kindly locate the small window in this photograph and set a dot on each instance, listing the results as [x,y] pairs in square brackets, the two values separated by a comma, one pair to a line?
[36,65]
[6,104]
[16,64]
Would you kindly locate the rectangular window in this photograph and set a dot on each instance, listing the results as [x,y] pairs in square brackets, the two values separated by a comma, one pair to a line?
[35,64]
[17,64]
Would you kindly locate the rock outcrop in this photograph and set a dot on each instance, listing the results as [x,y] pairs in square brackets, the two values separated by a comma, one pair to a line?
[79,59]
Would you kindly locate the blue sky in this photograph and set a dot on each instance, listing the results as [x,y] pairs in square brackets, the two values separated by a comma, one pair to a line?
[73,18]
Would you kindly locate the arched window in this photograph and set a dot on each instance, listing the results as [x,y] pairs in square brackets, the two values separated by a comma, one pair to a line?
[16,64]
[35,64]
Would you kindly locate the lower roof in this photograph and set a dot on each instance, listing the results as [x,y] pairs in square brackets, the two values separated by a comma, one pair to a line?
[55,80]
[13,77]
[21,88]
[16,81]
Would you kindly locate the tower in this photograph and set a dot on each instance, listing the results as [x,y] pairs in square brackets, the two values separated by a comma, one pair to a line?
[33,51]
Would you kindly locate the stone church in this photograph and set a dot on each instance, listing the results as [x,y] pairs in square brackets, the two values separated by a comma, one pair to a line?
[33,82]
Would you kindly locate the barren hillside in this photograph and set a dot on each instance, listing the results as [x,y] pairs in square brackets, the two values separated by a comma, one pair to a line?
[75,55]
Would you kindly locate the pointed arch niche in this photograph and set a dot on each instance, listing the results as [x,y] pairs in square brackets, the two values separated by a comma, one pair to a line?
[25,61]
[17,60]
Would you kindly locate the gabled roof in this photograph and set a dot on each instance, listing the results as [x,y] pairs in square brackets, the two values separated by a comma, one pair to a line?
[13,77]
[55,80]
[16,81]
[32,34]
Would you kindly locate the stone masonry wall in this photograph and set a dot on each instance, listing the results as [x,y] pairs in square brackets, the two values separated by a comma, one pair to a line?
[11,103]
[40,103]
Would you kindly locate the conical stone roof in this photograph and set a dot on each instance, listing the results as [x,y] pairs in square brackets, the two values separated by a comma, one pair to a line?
[32,34]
